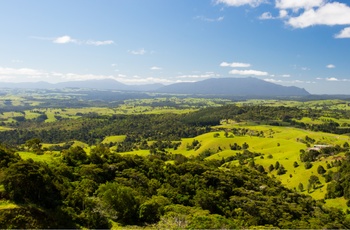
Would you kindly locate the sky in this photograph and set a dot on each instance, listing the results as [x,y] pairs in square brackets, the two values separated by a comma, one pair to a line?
[303,43]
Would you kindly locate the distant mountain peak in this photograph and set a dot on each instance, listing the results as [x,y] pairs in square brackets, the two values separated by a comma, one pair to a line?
[234,86]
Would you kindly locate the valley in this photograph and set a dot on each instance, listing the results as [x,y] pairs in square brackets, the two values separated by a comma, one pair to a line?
[88,146]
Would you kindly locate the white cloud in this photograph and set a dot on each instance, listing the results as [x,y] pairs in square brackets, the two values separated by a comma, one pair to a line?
[155,68]
[21,71]
[345,33]
[288,82]
[64,40]
[99,43]
[266,16]
[330,14]
[82,77]
[273,80]
[32,75]
[219,19]
[198,76]
[67,39]
[330,66]
[285,75]
[283,14]
[253,3]
[248,72]
[235,65]
[138,52]
[148,80]
[332,79]
[298,4]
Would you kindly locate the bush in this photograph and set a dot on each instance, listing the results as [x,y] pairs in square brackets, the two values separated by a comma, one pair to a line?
[308,165]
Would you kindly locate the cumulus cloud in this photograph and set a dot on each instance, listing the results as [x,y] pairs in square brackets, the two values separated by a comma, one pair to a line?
[330,14]
[285,75]
[283,14]
[67,39]
[138,52]
[345,33]
[235,65]
[253,3]
[248,72]
[298,4]
[330,66]
[266,16]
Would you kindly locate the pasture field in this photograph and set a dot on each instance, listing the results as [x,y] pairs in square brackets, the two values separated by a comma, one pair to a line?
[114,139]
[331,104]
[282,145]
[46,157]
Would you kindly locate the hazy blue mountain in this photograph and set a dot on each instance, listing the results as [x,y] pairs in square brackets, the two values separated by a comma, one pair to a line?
[234,86]
[93,84]
[215,86]
[26,85]
[88,84]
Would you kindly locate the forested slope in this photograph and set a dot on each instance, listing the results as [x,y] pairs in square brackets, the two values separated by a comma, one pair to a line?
[91,191]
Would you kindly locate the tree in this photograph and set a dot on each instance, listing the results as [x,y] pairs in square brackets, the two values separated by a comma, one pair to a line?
[277,165]
[314,181]
[120,202]
[320,169]
[308,165]
[7,157]
[261,169]
[75,156]
[245,145]
[295,164]
[34,145]
[31,182]
[271,168]
[301,187]
[281,170]
[151,210]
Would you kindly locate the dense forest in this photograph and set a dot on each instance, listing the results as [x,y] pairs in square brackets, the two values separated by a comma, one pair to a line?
[88,191]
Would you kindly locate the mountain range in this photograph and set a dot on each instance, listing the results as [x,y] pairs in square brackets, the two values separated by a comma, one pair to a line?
[215,86]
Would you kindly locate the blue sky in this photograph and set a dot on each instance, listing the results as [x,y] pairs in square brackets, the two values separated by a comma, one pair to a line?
[304,43]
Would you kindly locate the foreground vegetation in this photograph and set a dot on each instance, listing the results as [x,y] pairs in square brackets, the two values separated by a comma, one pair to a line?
[172,162]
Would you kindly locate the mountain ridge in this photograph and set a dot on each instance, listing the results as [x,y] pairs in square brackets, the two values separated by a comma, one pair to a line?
[234,86]
[213,86]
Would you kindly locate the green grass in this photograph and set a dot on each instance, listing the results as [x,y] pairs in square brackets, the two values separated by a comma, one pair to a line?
[2,128]
[6,204]
[284,146]
[114,139]
[46,157]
